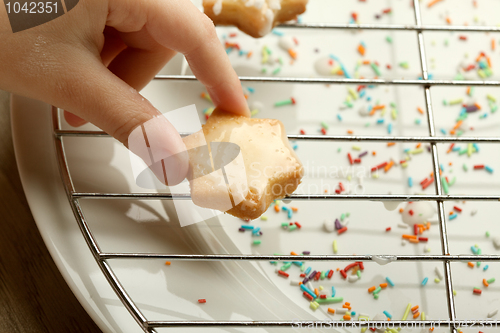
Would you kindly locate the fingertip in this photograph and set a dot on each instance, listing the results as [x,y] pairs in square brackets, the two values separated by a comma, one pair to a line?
[230,101]
[73,120]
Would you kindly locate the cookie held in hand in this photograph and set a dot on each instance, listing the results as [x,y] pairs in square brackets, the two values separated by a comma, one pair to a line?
[254,17]
[239,165]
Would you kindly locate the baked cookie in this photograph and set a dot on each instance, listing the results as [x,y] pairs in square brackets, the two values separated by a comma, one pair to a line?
[239,165]
[254,17]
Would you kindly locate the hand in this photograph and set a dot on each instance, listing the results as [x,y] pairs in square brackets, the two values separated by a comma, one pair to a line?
[92,61]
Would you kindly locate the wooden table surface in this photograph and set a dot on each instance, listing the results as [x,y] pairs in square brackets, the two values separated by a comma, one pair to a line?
[33,295]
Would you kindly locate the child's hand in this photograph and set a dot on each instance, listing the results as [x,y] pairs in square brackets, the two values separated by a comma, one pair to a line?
[88,60]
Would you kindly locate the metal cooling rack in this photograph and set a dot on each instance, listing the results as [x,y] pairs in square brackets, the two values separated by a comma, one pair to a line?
[147,325]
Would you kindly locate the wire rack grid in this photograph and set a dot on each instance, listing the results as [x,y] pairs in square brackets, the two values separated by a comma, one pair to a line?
[103,258]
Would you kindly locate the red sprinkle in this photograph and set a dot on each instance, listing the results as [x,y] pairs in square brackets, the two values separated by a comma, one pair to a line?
[410,212]
[380,166]
[302,275]
[341,187]
[298,225]
[388,229]
[423,239]
[302,132]
[341,231]
[322,296]
[293,100]
[462,37]
[202,300]
[415,229]
[323,131]
[318,274]
[480,166]
[361,265]
[285,274]
[344,275]
[458,209]
[308,296]
[350,158]
[348,267]
[357,160]
[330,274]
[477,291]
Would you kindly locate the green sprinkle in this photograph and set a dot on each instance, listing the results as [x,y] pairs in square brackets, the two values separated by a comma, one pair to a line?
[285,224]
[353,94]
[256,242]
[437,280]
[358,272]
[388,39]
[330,300]
[394,114]
[376,291]
[471,91]
[342,217]
[376,69]
[456,101]
[404,65]
[324,125]
[286,266]
[277,70]
[254,112]
[491,280]
[285,102]
[322,276]
[263,70]
[452,181]
[487,234]
[445,102]
[445,185]
[339,150]
[375,296]
[347,214]
[292,227]
[491,98]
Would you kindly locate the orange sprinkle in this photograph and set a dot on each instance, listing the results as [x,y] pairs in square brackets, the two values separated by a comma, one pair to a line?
[432,3]
[468,90]
[246,96]
[249,54]
[292,53]
[371,289]
[478,106]
[361,49]
[486,284]
[348,303]
[300,283]
[458,124]
[401,210]
[374,153]
[345,306]
[383,285]
[366,62]
[470,264]
[413,309]
[419,145]
[332,311]
[167,263]
[415,316]
[389,166]
[413,240]
[493,44]
[448,20]
[409,236]
[431,329]
[390,144]
[488,61]
[420,110]
[350,131]
[480,56]
[347,317]
[277,208]
[340,72]
[316,291]
[452,132]
[293,253]
[295,209]
[378,107]
[428,225]
[451,213]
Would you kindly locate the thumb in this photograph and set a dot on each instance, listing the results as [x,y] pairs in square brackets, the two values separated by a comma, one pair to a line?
[98,96]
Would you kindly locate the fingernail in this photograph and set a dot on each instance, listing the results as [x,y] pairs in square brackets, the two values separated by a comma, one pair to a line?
[160,146]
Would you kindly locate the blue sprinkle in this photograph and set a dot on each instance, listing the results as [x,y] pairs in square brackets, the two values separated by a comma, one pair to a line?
[256,230]
[295,146]
[485,267]
[387,314]
[476,146]
[363,43]
[424,282]
[276,32]
[443,131]
[339,117]
[441,167]
[298,263]
[353,314]
[455,149]
[410,182]
[229,49]
[308,270]
[248,227]
[290,213]
[333,291]
[406,150]
[473,249]
[489,169]
[389,128]
[368,98]
[362,93]
[307,290]
[380,121]
[283,208]
[452,217]
[389,281]
[251,90]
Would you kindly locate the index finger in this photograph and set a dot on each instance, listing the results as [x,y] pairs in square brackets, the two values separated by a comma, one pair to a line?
[180,26]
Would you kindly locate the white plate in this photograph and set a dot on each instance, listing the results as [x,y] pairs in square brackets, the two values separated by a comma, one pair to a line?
[252,290]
